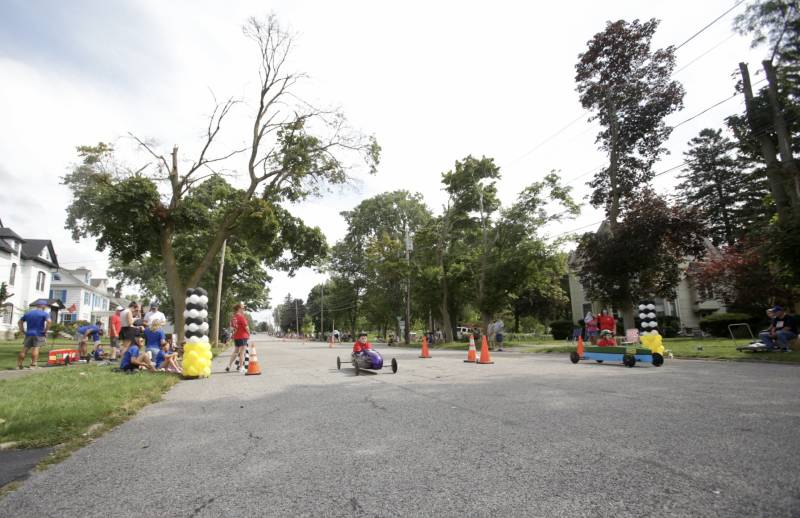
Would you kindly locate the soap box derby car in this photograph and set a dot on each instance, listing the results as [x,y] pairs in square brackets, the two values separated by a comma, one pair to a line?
[368,359]
[650,351]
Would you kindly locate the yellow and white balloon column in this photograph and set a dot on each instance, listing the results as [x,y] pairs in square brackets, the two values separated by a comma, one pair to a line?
[197,351]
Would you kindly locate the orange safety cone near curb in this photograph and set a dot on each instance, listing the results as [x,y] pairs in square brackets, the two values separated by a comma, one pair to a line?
[471,351]
[253,367]
[485,358]
[580,347]
[425,353]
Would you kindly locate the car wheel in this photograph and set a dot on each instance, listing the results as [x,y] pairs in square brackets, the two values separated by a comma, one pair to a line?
[658,360]
[394,366]
[573,357]
[338,363]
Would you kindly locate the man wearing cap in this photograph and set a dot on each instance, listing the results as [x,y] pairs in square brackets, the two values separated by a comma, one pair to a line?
[114,326]
[783,330]
[33,325]
[154,315]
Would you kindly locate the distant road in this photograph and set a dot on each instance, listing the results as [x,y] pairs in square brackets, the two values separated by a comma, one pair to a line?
[531,435]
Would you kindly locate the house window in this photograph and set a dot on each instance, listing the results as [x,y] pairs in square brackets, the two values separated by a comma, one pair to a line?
[69,317]
[13,274]
[56,276]
[87,299]
[59,294]
[40,277]
[7,313]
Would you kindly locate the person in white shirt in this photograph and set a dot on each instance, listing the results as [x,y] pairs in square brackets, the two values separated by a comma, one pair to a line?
[154,315]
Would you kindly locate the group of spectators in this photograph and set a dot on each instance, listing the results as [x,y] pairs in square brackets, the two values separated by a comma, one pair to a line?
[600,329]
[782,330]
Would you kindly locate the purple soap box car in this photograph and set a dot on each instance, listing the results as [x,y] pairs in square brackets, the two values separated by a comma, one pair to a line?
[369,359]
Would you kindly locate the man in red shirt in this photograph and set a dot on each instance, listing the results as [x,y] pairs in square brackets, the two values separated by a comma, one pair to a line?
[241,333]
[113,332]
[361,344]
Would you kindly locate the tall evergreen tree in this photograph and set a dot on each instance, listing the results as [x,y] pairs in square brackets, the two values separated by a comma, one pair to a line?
[715,184]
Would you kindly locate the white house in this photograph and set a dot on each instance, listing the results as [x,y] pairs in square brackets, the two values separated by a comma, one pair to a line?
[26,266]
[687,306]
[84,298]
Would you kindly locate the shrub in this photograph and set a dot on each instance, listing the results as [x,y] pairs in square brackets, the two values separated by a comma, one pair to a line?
[561,329]
[716,324]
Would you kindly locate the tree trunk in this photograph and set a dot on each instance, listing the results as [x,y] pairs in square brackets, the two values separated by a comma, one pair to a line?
[628,317]
[174,286]
[447,323]
[788,164]
[613,165]
[774,176]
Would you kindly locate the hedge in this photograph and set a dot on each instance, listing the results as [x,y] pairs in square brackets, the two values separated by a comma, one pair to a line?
[561,329]
[716,324]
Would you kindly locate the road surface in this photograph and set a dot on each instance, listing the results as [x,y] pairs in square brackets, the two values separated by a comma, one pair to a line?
[531,435]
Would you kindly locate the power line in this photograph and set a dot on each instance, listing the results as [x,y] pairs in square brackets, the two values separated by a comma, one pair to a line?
[692,62]
[715,20]
[583,115]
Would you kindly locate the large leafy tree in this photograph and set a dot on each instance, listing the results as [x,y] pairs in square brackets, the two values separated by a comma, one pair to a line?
[773,119]
[716,184]
[629,89]
[371,257]
[643,257]
[293,151]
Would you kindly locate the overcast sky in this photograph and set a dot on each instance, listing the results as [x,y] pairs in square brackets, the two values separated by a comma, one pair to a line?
[433,81]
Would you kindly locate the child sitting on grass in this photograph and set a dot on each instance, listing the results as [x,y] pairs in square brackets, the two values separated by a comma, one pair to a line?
[167,361]
[136,357]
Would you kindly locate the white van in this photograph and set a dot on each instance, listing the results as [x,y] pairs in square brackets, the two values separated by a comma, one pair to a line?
[461,332]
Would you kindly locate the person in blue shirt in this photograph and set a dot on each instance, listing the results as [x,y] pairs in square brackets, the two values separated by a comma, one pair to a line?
[86,332]
[154,338]
[166,360]
[33,326]
[135,358]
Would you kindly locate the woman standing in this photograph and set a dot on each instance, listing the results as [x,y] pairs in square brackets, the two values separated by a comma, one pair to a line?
[591,326]
[241,333]
[607,322]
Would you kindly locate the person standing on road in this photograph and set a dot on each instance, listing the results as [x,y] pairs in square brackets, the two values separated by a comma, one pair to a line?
[490,335]
[114,327]
[33,326]
[499,327]
[241,334]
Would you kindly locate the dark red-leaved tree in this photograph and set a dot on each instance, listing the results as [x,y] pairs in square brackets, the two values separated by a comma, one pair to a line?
[642,258]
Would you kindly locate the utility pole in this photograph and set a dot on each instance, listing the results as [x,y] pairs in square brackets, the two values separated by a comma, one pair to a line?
[215,339]
[322,312]
[297,317]
[409,246]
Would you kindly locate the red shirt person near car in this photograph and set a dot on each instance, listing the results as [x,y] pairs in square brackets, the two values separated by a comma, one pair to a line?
[606,321]
[361,344]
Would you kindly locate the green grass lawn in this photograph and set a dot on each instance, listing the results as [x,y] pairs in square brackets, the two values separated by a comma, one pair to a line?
[709,348]
[9,349]
[59,405]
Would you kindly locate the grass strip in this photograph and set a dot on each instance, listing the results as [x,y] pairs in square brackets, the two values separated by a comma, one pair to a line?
[60,406]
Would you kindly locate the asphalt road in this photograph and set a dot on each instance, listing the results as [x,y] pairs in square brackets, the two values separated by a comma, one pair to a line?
[531,435]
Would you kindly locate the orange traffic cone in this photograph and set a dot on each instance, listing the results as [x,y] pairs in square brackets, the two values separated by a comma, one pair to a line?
[485,358]
[330,342]
[253,367]
[425,353]
[580,346]
[471,351]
